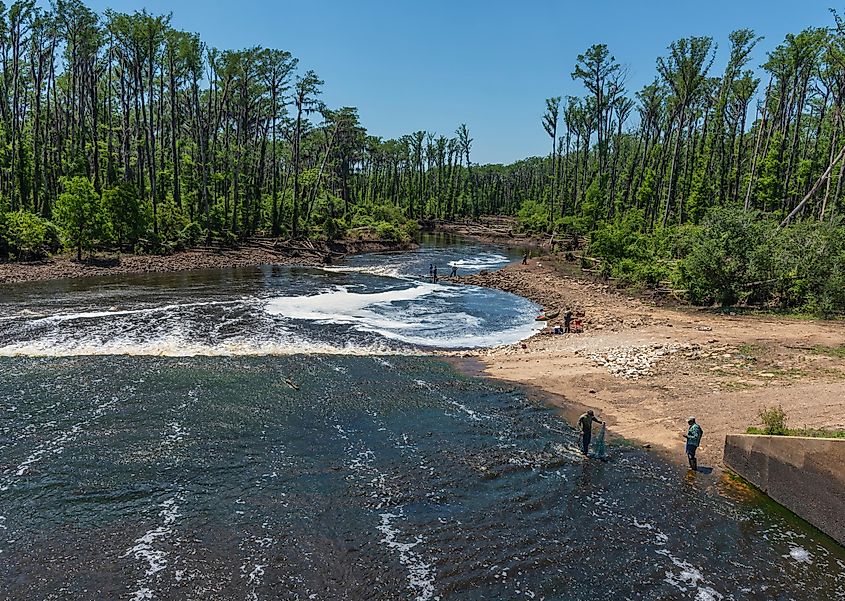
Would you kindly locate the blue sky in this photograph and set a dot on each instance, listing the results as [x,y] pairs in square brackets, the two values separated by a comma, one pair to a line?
[435,64]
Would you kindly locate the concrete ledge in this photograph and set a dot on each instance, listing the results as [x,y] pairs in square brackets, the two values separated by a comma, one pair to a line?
[805,475]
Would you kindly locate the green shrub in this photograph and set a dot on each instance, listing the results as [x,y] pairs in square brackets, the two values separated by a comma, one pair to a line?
[730,258]
[412,229]
[28,235]
[389,231]
[774,421]
[333,229]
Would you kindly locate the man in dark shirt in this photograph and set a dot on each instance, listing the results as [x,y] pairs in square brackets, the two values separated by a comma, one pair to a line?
[693,436]
[585,422]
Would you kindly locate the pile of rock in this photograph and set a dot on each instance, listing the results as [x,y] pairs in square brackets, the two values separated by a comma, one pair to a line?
[635,362]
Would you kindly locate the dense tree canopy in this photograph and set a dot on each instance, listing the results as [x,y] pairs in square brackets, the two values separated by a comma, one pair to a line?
[182,143]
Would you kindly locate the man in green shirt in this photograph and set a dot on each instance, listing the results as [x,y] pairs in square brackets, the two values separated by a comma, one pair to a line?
[693,436]
[585,423]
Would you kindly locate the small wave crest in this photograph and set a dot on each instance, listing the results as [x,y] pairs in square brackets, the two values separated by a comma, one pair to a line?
[482,261]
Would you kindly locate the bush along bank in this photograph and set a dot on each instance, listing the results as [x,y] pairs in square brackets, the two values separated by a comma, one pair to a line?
[733,257]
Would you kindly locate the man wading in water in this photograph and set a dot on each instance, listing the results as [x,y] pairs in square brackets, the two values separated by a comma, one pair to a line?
[586,423]
[693,437]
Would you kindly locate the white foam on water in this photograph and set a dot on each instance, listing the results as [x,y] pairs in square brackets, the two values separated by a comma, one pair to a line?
[492,339]
[421,577]
[145,549]
[388,271]
[481,261]
[419,315]
[62,317]
[383,362]
[800,554]
[420,573]
[473,415]
[416,325]
[339,305]
[179,345]
[659,537]
[689,578]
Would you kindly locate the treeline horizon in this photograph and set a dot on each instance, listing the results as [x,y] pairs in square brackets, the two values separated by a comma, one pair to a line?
[121,131]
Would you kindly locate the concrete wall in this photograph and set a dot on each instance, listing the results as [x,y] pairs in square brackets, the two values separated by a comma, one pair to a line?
[806,475]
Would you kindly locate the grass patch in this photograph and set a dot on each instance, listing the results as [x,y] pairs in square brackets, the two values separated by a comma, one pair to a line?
[733,385]
[807,432]
[749,350]
[837,352]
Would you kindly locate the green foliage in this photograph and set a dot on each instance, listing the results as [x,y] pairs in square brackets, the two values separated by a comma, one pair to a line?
[533,217]
[28,235]
[805,432]
[79,214]
[591,208]
[333,228]
[128,216]
[770,183]
[729,258]
[192,234]
[774,421]
[627,253]
[810,267]
[385,221]
[571,226]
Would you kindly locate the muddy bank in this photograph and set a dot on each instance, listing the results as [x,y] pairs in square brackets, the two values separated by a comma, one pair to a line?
[247,255]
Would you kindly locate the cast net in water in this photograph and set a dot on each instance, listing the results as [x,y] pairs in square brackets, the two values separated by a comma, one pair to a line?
[598,445]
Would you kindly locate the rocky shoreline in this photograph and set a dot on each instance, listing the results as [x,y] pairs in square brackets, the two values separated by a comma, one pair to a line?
[249,254]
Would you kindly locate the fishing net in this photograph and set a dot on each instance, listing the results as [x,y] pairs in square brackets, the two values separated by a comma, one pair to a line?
[598,445]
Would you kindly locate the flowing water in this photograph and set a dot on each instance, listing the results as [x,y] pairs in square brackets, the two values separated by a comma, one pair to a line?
[292,444]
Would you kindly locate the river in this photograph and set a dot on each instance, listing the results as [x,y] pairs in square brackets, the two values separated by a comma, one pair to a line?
[284,433]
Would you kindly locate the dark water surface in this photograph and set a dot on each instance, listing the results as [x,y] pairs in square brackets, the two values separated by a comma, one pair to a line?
[247,465]
[379,478]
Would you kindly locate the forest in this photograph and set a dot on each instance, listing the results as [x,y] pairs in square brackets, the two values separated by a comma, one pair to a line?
[120,132]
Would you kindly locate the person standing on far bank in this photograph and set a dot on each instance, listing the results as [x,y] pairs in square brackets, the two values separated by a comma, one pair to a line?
[525,258]
[567,322]
[693,436]
[586,424]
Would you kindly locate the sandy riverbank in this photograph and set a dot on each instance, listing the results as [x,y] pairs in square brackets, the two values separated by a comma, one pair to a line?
[647,368]
[247,255]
